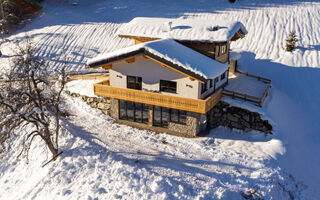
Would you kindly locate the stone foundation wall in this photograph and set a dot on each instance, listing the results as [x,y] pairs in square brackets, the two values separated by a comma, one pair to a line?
[234,117]
[190,129]
[114,108]
[100,103]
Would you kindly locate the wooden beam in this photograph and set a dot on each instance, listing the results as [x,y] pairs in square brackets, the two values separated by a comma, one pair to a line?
[107,66]
[130,60]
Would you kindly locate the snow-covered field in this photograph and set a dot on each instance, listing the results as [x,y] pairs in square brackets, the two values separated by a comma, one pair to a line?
[102,160]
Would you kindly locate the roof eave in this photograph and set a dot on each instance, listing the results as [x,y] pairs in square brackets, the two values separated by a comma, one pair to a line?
[147,53]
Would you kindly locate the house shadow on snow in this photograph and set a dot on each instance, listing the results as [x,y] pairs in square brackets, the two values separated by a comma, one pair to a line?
[231,134]
[300,85]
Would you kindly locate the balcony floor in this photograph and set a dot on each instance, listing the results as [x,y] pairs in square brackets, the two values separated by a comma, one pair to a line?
[246,85]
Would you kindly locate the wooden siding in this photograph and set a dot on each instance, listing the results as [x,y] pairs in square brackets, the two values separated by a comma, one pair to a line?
[225,57]
[203,48]
[187,104]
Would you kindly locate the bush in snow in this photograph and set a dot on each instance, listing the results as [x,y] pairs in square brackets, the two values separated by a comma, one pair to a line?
[291,41]
[29,101]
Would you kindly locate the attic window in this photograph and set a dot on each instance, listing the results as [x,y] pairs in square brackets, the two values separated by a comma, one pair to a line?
[213,28]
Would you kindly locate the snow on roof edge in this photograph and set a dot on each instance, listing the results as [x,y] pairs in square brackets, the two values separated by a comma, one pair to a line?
[182,29]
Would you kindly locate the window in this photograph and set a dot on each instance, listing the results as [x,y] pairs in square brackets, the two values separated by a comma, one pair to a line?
[134,82]
[210,83]
[132,111]
[223,49]
[203,87]
[216,80]
[178,116]
[162,116]
[223,76]
[217,51]
[168,86]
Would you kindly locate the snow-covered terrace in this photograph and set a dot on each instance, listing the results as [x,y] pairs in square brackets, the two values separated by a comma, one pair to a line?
[182,29]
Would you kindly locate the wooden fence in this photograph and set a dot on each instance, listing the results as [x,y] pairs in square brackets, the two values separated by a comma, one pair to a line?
[265,80]
[255,100]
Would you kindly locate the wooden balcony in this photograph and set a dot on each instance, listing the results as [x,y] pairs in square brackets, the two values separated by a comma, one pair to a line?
[187,104]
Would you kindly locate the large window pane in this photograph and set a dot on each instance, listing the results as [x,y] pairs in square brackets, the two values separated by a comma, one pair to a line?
[182,117]
[157,116]
[165,117]
[130,111]
[122,106]
[145,113]
[138,112]
[174,115]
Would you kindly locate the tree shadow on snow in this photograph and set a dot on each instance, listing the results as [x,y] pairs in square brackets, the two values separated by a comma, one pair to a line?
[186,171]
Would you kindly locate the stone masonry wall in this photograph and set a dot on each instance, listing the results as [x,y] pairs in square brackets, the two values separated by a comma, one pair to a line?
[191,128]
[234,117]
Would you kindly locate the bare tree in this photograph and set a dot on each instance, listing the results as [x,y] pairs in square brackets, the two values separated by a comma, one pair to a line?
[29,99]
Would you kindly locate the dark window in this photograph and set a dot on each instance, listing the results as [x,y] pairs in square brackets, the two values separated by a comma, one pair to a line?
[162,116]
[174,117]
[157,117]
[182,117]
[203,87]
[217,51]
[210,83]
[168,86]
[132,111]
[123,109]
[134,82]
[223,49]
[223,76]
[178,116]
[216,80]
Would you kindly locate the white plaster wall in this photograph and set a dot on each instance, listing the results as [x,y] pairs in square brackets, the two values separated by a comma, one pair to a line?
[151,73]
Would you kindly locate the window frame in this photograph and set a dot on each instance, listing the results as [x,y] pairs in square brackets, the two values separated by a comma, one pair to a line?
[223,49]
[137,82]
[223,76]
[203,87]
[181,116]
[168,88]
[123,107]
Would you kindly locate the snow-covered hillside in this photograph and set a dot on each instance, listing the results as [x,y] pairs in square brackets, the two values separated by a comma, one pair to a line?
[108,161]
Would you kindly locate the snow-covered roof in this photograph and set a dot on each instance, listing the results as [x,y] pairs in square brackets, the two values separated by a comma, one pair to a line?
[171,53]
[182,29]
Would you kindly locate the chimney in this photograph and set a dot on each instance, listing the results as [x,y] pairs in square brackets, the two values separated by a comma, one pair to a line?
[167,26]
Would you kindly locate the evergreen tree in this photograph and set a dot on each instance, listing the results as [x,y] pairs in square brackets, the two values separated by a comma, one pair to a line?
[291,41]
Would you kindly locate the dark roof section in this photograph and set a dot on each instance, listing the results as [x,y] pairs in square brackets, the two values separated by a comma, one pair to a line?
[147,53]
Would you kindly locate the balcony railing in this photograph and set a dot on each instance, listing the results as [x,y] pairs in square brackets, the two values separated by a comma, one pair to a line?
[181,103]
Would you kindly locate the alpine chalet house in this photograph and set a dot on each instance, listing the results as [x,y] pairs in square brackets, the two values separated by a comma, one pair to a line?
[172,76]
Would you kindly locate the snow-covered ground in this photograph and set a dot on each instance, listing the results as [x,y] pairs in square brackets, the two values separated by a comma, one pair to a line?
[103,160]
